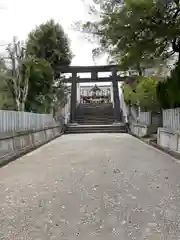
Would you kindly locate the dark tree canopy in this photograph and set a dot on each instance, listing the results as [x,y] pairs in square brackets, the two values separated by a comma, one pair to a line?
[49,41]
[40,87]
[137,33]
[6,97]
[50,46]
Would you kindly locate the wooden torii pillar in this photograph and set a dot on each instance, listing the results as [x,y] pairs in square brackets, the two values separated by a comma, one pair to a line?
[73,97]
[117,110]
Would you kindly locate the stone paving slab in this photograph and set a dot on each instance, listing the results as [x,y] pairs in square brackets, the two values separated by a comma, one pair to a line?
[91,186]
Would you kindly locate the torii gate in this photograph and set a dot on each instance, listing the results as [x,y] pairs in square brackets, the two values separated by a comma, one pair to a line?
[94,70]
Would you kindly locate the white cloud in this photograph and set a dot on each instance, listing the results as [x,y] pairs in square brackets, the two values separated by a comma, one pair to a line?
[19,17]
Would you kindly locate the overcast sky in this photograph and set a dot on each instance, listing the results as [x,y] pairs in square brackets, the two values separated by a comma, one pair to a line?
[19,17]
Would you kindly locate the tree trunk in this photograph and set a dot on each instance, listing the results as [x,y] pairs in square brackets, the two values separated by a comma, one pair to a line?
[178,58]
[139,70]
[176,47]
[22,107]
[18,105]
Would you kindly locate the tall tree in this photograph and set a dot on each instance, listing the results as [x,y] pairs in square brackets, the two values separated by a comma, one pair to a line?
[138,32]
[6,98]
[40,92]
[18,77]
[49,41]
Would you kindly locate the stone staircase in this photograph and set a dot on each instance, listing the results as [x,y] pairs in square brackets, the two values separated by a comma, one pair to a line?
[95,114]
[95,118]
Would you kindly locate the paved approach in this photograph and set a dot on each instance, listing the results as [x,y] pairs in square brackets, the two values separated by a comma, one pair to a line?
[91,186]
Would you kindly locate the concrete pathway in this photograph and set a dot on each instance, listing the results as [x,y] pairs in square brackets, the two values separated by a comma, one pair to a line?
[94,186]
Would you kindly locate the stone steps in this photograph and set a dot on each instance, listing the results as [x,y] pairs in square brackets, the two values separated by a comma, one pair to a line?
[97,108]
[95,122]
[95,118]
[95,112]
[113,128]
[98,118]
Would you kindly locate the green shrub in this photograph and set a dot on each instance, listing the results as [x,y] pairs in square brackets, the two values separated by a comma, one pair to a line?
[146,94]
[168,92]
[143,94]
[127,90]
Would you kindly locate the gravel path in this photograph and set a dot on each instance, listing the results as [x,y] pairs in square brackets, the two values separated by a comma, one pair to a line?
[91,186]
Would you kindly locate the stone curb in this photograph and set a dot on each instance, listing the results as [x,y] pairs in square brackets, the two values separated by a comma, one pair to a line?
[166,150]
[155,145]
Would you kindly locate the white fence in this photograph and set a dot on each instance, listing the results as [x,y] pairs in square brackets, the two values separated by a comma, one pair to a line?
[132,113]
[171,118]
[64,113]
[144,118]
[139,117]
[11,121]
[66,110]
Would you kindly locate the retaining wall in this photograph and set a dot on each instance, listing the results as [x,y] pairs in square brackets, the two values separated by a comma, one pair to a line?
[142,130]
[14,144]
[169,138]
